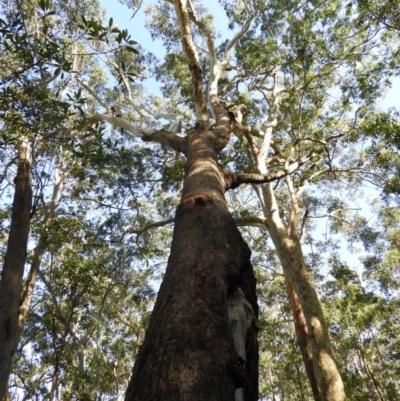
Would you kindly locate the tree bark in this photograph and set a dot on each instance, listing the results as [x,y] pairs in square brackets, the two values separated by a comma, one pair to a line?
[189,349]
[300,326]
[290,254]
[28,288]
[13,268]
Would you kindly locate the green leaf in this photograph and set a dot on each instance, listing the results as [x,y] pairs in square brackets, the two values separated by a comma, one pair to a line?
[132,49]
[57,71]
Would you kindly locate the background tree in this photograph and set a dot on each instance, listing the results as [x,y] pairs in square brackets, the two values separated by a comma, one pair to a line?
[37,57]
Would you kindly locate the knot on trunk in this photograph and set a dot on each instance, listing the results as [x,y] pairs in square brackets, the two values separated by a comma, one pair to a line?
[221,139]
[197,200]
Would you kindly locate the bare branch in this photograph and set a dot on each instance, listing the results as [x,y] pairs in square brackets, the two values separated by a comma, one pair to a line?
[303,225]
[140,231]
[145,114]
[295,213]
[253,131]
[123,77]
[252,221]
[137,9]
[166,138]
[231,82]
[93,93]
[271,124]
[236,38]
[233,180]
[321,216]
[118,121]
[195,69]
[259,134]
[322,141]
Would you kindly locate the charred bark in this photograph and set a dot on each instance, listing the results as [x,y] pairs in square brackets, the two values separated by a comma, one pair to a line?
[14,261]
[189,351]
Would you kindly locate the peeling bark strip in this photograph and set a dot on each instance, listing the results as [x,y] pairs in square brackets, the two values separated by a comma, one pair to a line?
[13,268]
[189,351]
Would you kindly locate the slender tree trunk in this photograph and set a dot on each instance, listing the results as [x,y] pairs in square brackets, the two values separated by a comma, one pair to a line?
[290,254]
[300,326]
[40,248]
[189,349]
[13,268]
[27,293]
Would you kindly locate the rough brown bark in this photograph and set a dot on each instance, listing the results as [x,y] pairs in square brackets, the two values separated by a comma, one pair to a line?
[189,352]
[13,268]
[300,326]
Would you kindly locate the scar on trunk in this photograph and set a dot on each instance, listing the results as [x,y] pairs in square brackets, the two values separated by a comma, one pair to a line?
[197,200]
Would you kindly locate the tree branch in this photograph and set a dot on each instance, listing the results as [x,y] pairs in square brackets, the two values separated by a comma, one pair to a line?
[295,213]
[195,68]
[233,180]
[93,93]
[169,139]
[259,134]
[236,38]
[118,121]
[252,221]
[140,231]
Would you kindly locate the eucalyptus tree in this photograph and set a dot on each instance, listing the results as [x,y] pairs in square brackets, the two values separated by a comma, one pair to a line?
[292,87]
[308,52]
[20,124]
[275,89]
[209,284]
[38,51]
[308,57]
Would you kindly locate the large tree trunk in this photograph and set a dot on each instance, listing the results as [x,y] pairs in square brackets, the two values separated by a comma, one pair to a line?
[193,348]
[290,254]
[13,268]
